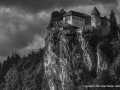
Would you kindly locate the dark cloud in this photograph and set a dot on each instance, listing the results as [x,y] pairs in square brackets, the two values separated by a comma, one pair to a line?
[36,5]
[107,1]
[18,31]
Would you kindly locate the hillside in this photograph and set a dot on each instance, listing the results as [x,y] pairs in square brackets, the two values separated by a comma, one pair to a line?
[25,73]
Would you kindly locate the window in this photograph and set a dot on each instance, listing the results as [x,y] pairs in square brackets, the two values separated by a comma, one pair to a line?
[68,18]
[73,17]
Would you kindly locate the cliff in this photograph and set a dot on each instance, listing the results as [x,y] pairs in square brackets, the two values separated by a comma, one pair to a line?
[73,60]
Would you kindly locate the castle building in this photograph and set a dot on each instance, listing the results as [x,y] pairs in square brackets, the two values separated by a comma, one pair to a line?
[77,19]
[95,22]
[100,23]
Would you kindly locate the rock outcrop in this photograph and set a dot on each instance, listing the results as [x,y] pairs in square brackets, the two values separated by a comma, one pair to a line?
[73,59]
[68,59]
[102,62]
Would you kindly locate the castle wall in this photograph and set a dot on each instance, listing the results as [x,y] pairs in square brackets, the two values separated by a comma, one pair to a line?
[88,28]
[105,26]
[75,21]
[68,19]
[96,21]
[88,21]
[78,21]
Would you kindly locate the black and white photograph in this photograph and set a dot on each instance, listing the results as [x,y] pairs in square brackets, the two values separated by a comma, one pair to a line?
[59,44]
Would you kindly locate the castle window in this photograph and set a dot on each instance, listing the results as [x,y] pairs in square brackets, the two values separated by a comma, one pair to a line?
[73,17]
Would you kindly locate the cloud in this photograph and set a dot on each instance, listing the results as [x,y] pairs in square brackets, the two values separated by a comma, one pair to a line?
[20,30]
[106,1]
[35,45]
[37,5]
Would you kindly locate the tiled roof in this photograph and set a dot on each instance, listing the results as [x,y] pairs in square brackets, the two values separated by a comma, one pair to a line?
[95,11]
[77,14]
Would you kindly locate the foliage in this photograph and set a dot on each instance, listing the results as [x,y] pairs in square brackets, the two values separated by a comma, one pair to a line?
[113,25]
[14,59]
[26,74]
[106,48]
[56,16]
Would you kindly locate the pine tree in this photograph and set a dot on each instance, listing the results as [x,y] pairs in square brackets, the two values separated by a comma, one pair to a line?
[113,25]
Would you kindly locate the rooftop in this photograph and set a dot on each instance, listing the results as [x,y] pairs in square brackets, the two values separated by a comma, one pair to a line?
[77,14]
[104,18]
[95,11]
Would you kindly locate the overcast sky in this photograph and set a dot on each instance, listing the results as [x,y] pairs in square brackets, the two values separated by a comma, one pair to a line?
[23,22]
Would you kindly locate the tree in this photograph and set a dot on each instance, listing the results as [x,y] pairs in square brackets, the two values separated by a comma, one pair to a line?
[112,16]
[11,79]
[55,16]
[113,25]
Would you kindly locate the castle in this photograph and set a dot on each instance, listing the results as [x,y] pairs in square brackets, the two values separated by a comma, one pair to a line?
[93,23]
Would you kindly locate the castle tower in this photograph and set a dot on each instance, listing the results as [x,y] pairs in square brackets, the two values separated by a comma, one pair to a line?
[96,21]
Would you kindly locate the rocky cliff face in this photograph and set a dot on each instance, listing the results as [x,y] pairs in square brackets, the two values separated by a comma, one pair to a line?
[68,59]
[102,63]
[73,60]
